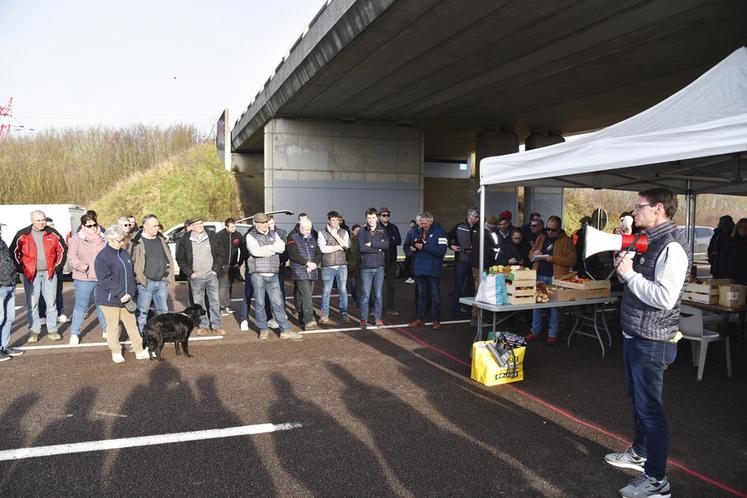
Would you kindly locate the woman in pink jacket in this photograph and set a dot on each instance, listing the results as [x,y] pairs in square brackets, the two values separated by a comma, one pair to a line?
[82,250]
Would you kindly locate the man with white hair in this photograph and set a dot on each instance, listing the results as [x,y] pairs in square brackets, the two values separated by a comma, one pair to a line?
[201,261]
[38,252]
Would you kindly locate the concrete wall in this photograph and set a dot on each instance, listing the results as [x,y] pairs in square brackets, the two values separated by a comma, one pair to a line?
[318,166]
[545,201]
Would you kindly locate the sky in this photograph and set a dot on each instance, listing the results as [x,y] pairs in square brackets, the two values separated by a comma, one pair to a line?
[78,63]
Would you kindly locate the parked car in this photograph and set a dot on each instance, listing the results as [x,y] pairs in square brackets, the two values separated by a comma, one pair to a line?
[702,239]
[176,232]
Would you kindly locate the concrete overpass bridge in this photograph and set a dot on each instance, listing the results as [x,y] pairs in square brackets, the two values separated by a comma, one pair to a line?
[381,101]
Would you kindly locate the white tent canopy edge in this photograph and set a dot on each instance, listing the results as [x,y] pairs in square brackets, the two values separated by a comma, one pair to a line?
[692,142]
[666,144]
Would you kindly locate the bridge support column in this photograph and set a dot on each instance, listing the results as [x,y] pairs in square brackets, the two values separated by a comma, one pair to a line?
[318,166]
[496,143]
[544,200]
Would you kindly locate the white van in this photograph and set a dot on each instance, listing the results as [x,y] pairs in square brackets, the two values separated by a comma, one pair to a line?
[17,216]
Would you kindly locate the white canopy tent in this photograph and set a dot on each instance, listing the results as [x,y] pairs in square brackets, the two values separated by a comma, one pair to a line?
[693,142]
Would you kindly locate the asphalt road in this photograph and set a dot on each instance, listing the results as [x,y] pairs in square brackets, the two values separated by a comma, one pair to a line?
[380,412]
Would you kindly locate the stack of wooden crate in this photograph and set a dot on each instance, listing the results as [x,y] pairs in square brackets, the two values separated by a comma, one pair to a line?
[522,286]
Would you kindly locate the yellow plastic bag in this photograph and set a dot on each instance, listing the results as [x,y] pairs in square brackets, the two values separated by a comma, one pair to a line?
[487,371]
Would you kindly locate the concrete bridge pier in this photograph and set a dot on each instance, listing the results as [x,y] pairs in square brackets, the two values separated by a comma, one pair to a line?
[318,166]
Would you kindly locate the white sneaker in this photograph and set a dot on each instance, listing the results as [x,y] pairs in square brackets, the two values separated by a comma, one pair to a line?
[244,326]
[117,358]
[142,355]
[103,334]
[410,281]
[74,340]
[271,323]
[62,319]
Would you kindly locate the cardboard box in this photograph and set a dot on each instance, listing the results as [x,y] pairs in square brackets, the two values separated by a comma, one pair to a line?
[732,295]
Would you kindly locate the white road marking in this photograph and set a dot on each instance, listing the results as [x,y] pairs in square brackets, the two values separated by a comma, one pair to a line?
[288,298]
[373,327]
[131,442]
[100,344]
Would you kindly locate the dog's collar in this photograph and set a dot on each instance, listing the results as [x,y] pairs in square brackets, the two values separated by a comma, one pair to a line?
[183,314]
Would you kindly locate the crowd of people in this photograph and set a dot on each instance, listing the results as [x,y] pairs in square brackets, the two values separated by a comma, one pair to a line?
[727,248]
[360,261]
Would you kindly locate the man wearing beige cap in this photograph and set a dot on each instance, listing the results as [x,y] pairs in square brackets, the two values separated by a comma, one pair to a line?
[262,266]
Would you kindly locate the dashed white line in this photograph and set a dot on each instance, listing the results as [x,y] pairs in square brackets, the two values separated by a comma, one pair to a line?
[131,442]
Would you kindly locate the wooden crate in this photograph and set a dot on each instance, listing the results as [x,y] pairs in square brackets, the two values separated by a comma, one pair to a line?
[707,287]
[522,275]
[586,286]
[564,294]
[522,291]
[697,297]
[597,293]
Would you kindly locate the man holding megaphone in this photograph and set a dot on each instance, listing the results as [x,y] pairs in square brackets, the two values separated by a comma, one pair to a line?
[654,281]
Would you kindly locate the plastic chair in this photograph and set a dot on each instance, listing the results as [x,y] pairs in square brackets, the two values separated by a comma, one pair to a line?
[691,326]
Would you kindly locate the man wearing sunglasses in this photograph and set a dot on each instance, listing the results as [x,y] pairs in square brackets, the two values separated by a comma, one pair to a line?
[552,254]
[390,257]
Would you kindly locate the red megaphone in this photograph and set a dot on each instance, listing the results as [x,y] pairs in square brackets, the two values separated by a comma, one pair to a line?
[597,241]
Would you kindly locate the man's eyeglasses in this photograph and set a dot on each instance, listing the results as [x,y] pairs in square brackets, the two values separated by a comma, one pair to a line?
[552,229]
[91,226]
[385,215]
[641,206]
[534,225]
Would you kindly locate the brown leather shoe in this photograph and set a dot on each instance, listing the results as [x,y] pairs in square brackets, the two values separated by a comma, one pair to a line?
[219,332]
[416,323]
[202,331]
[436,325]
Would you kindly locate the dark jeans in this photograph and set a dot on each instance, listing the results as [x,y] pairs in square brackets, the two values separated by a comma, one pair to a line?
[248,292]
[390,279]
[304,291]
[227,277]
[429,287]
[462,273]
[645,362]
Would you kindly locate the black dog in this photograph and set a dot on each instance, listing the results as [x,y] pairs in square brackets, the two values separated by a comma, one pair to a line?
[171,327]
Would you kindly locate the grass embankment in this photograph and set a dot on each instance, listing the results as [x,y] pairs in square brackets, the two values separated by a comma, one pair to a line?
[192,183]
[710,207]
[77,166]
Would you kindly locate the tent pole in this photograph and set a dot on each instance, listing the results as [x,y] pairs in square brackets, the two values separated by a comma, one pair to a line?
[481,225]
[690,216]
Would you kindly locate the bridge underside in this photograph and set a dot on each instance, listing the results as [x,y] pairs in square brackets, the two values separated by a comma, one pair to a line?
[452,68]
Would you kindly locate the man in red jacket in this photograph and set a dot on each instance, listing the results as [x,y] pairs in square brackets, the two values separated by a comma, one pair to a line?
[38,251]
